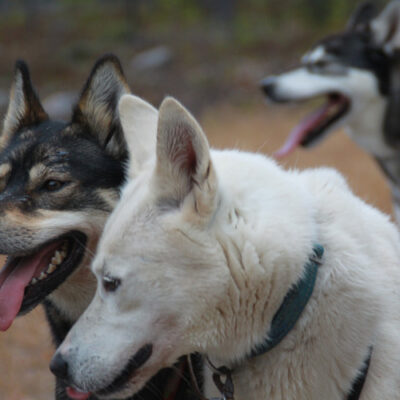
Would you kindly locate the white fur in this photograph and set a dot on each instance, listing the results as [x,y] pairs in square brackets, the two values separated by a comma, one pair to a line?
[314,56]
[205,256]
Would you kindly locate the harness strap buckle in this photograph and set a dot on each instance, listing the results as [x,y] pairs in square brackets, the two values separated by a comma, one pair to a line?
[226,388]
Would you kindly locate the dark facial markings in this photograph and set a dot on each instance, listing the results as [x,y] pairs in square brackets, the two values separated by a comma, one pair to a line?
[354,49]
[58,167]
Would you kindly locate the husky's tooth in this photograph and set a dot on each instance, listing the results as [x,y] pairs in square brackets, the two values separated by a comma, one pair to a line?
[63,253]
[43,275]
[58,257]
[33,281]
[51,268]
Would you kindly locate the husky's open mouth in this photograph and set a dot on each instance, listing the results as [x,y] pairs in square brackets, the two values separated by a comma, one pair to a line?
[27,279]
[317,124]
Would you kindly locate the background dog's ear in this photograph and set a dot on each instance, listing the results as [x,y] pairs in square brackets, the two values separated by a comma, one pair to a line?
[385,28]
[183,159]
[361,17]
[139,123]
[24,108]
[385,31]
[97,111]
[391,127]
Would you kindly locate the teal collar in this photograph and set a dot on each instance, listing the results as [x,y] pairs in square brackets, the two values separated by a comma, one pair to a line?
[293,304]
[283,322]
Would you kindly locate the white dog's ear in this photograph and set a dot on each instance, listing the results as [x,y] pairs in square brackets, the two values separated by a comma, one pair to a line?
[139,123]
[385,28]
[183,160]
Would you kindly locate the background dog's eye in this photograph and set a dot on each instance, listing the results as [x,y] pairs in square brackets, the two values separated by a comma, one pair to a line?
[111,284]
[52,185]
[320,64]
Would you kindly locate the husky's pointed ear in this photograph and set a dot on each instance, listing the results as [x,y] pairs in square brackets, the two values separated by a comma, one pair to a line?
[139,124]
[184,165]
[24,108]
[385,31]
[385,28]
[361,17]
[391,126]
[97,107]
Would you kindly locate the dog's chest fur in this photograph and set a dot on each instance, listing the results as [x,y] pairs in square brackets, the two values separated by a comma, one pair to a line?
[355,301]
[367,131]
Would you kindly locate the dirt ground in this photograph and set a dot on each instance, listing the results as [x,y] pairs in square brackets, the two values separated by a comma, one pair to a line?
[25,350]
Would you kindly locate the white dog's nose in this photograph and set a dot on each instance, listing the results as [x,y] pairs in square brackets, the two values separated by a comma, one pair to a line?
[59,366]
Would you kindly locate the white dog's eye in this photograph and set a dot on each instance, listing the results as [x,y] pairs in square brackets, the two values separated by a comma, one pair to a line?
[110,284]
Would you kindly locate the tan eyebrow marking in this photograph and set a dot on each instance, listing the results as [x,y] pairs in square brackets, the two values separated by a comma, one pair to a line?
[4,170]
[37,171]
[109,196]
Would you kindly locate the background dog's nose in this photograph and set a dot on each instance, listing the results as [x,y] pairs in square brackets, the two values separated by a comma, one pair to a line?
[59,366]
[268,87]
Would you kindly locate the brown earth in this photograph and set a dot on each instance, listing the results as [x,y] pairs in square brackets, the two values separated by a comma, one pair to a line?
[25,350]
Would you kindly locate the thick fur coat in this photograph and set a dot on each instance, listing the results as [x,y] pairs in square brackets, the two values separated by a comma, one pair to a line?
[202,249]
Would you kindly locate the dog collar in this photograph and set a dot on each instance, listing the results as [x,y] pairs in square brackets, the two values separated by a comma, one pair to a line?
[283,322]
[293,304]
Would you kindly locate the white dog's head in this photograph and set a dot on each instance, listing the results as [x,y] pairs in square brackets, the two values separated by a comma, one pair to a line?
[154,261]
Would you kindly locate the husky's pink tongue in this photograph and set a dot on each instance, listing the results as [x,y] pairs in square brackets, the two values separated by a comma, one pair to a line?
[77,394]
[14,278]
[300,131]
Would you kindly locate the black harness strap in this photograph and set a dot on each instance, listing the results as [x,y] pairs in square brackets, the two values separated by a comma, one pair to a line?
[358,383]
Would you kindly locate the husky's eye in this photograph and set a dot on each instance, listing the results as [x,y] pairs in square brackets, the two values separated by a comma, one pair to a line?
[52,185]
[111,284]
[320,64]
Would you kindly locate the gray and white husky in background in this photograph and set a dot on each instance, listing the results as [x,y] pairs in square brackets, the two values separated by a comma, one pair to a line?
[358,73]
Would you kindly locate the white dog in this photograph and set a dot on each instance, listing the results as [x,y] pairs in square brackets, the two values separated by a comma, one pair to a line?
[220,252]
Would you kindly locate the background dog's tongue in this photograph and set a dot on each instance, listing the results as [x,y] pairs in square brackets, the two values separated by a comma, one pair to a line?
[300,131]
[76,394]
[12,287]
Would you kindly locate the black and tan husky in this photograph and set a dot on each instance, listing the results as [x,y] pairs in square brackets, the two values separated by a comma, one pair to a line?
[58,183]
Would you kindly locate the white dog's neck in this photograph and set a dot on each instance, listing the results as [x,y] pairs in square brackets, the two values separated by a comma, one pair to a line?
[263,266]
[245,371]
[271,313]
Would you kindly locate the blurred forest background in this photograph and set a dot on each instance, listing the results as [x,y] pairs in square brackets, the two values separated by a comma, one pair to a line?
[202,51]
[211,55]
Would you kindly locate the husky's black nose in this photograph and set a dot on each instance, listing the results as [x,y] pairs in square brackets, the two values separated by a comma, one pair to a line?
[268,86]
[59,366]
